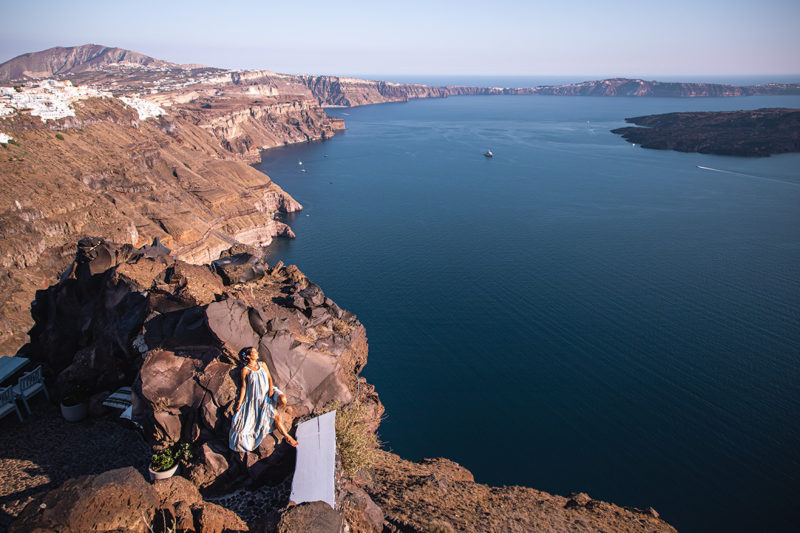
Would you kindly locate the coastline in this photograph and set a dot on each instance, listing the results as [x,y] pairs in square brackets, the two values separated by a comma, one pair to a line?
[296,140]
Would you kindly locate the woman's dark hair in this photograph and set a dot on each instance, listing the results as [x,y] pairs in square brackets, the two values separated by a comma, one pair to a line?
[244,354]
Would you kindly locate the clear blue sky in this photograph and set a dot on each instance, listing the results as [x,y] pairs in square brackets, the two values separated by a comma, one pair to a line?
[555,37]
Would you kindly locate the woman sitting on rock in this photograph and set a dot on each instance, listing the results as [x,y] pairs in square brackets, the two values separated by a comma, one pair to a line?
[257,407]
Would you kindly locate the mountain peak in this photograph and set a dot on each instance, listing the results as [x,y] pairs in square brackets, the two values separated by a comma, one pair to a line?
[69,60]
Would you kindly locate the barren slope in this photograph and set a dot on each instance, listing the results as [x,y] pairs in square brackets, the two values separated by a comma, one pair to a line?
[183,178]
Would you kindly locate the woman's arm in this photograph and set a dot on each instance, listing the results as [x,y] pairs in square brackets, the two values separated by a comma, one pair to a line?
[270,391]
[245,371]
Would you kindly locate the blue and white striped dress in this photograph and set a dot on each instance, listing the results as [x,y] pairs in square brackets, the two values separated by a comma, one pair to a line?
[255,418]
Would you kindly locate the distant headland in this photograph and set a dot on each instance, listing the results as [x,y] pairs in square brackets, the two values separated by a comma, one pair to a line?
[757,133]
[127,71]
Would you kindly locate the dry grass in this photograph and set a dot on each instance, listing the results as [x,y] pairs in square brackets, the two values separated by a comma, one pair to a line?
[341,327]
[440,526]
[357,445]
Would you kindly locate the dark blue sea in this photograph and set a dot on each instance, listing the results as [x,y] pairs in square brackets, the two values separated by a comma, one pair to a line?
[575,314]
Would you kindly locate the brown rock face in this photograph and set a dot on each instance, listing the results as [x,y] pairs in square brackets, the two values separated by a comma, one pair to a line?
[117,500]
[360,512]
[121,500]
[172,326]
[441,494]
[184,179]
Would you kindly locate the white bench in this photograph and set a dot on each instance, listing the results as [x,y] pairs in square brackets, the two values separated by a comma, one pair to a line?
[316,461]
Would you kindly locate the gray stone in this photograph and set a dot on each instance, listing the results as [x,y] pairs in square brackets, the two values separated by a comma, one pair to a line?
[239,268]
[278,324]
[297,301]
[313,295]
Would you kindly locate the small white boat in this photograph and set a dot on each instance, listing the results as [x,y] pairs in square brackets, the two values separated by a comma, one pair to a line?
[299,162]
[488,154]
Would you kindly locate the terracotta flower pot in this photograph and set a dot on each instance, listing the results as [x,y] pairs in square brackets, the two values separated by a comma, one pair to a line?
[164,474]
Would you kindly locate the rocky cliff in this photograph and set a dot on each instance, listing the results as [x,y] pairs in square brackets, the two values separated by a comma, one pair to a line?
[125,315]
[336,91]
[633,87]
[183,178]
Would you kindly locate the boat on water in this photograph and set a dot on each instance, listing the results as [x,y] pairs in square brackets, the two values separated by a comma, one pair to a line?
[488,153]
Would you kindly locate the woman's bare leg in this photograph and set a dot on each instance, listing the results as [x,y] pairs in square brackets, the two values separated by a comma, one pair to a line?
[282,430]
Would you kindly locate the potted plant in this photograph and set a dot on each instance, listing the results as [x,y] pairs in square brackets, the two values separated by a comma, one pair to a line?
[74,402]
[163,464]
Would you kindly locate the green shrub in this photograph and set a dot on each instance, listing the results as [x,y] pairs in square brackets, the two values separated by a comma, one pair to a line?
[184,454]
[163,460]
[59,137]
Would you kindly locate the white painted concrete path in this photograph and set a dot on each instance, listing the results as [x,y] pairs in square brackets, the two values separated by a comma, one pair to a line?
[316,461]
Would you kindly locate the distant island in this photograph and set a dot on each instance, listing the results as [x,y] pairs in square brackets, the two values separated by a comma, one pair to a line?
[757,133]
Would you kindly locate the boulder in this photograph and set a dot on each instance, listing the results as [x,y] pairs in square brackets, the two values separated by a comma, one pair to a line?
[309,378]
[297,301]
[578,499]
[176,496]
[117,500]
[278,324]
[229,321]
[180,500]
[318,517]
[211,465]
[360,512]
[212,518]
[238,268]
[313,295]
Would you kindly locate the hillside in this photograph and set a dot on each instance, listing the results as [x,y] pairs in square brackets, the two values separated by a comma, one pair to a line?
[757,133]
[71,60]
[183,178]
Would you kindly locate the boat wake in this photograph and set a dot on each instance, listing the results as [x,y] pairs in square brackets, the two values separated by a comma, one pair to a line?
[767,178]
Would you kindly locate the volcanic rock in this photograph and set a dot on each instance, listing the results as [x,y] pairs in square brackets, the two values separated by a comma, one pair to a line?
[360,512]
[752,133]
[117,500]
[170,328]
[239,268]
[311,516]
